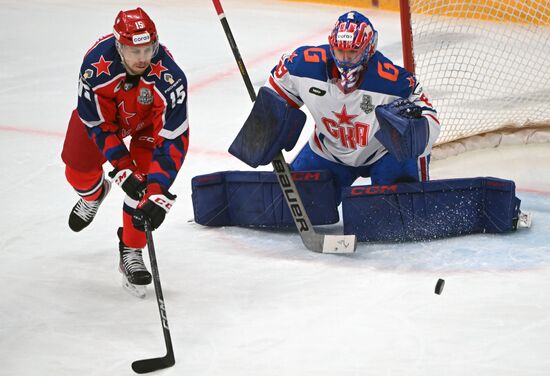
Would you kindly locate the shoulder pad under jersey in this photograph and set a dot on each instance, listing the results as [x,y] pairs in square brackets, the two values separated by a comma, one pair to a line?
[383,76]
[102,62]
[165,73]
[309,61]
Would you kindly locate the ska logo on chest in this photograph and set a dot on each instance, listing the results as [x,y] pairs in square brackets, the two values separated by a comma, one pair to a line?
[350,134]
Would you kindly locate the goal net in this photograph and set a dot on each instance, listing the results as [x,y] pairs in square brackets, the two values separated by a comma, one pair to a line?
[486,66]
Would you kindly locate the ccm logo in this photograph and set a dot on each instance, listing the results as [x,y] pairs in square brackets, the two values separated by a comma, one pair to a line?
[146,138]
[121,177]
[208,178]
[373,190]
[299,176]
[163,314]
[162,202]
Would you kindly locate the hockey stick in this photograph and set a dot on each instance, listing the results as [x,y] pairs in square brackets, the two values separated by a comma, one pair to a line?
[154,364]
[312,240]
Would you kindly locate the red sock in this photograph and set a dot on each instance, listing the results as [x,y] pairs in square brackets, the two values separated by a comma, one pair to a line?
[88,185]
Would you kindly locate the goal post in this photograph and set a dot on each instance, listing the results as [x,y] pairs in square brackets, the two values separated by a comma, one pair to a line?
[486,66]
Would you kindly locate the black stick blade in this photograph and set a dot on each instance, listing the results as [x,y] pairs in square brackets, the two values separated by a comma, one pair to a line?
[154,364]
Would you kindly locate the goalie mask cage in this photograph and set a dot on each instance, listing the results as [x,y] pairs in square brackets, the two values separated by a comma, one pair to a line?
[485,64]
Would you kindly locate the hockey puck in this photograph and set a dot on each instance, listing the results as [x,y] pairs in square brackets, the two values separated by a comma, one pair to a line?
[439,286]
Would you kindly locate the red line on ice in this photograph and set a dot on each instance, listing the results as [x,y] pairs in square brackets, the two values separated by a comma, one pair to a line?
[255,60]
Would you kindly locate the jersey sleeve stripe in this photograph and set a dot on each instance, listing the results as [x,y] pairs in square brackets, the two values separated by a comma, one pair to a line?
[176,132]
[433,117]
[423,167]
[282,93]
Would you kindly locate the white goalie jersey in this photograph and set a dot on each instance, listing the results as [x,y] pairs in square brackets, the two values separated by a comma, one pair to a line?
[345,123]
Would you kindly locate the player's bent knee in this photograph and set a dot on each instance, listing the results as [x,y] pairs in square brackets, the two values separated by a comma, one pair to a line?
[251,198]
[429,210]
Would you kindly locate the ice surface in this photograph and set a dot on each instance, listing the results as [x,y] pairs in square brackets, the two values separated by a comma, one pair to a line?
[239,301]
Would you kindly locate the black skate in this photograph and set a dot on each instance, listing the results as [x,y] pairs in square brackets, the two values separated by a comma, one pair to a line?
[83,212]
[135,276]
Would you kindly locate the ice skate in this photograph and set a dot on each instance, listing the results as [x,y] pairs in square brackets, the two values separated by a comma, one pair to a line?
[83,212]
[135,276]
[524,219]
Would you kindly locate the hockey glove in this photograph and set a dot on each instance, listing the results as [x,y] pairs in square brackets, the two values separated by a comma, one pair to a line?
[132,182]
[153,208]
[403,129]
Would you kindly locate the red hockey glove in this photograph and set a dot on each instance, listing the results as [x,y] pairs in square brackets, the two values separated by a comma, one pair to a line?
[133,183]
[153,207]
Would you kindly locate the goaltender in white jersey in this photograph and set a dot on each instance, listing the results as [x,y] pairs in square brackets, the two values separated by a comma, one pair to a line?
[342,95]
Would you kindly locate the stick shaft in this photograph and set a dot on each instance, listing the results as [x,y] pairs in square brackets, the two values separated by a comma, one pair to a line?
[158,291]
[312,240]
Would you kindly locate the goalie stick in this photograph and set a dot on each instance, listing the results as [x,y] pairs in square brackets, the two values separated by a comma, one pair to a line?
[154,364]
[312,240]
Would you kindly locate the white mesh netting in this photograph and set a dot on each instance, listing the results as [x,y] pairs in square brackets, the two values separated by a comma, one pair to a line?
[486,65]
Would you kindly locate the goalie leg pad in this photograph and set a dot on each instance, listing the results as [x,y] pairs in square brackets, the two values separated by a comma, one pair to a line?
[272,126]
[252,198]
[429,210]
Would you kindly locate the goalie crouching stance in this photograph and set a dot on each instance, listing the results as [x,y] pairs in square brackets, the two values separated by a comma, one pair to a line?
[372,119]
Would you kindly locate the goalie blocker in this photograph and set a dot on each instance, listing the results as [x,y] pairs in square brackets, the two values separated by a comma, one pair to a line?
[271,127]
[398,212]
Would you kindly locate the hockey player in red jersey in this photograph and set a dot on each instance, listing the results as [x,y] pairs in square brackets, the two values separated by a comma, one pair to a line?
[130,89]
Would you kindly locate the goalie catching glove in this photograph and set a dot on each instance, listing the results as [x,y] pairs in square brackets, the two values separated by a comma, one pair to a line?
[153,207]
[404,132]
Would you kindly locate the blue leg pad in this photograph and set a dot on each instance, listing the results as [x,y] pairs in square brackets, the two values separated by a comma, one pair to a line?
[429,210]
[252,198]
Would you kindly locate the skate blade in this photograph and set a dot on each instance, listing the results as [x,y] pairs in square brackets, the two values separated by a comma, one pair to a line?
[525,219]
[139,291]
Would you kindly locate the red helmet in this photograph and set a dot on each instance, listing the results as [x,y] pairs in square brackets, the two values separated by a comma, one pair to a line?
[134,28]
